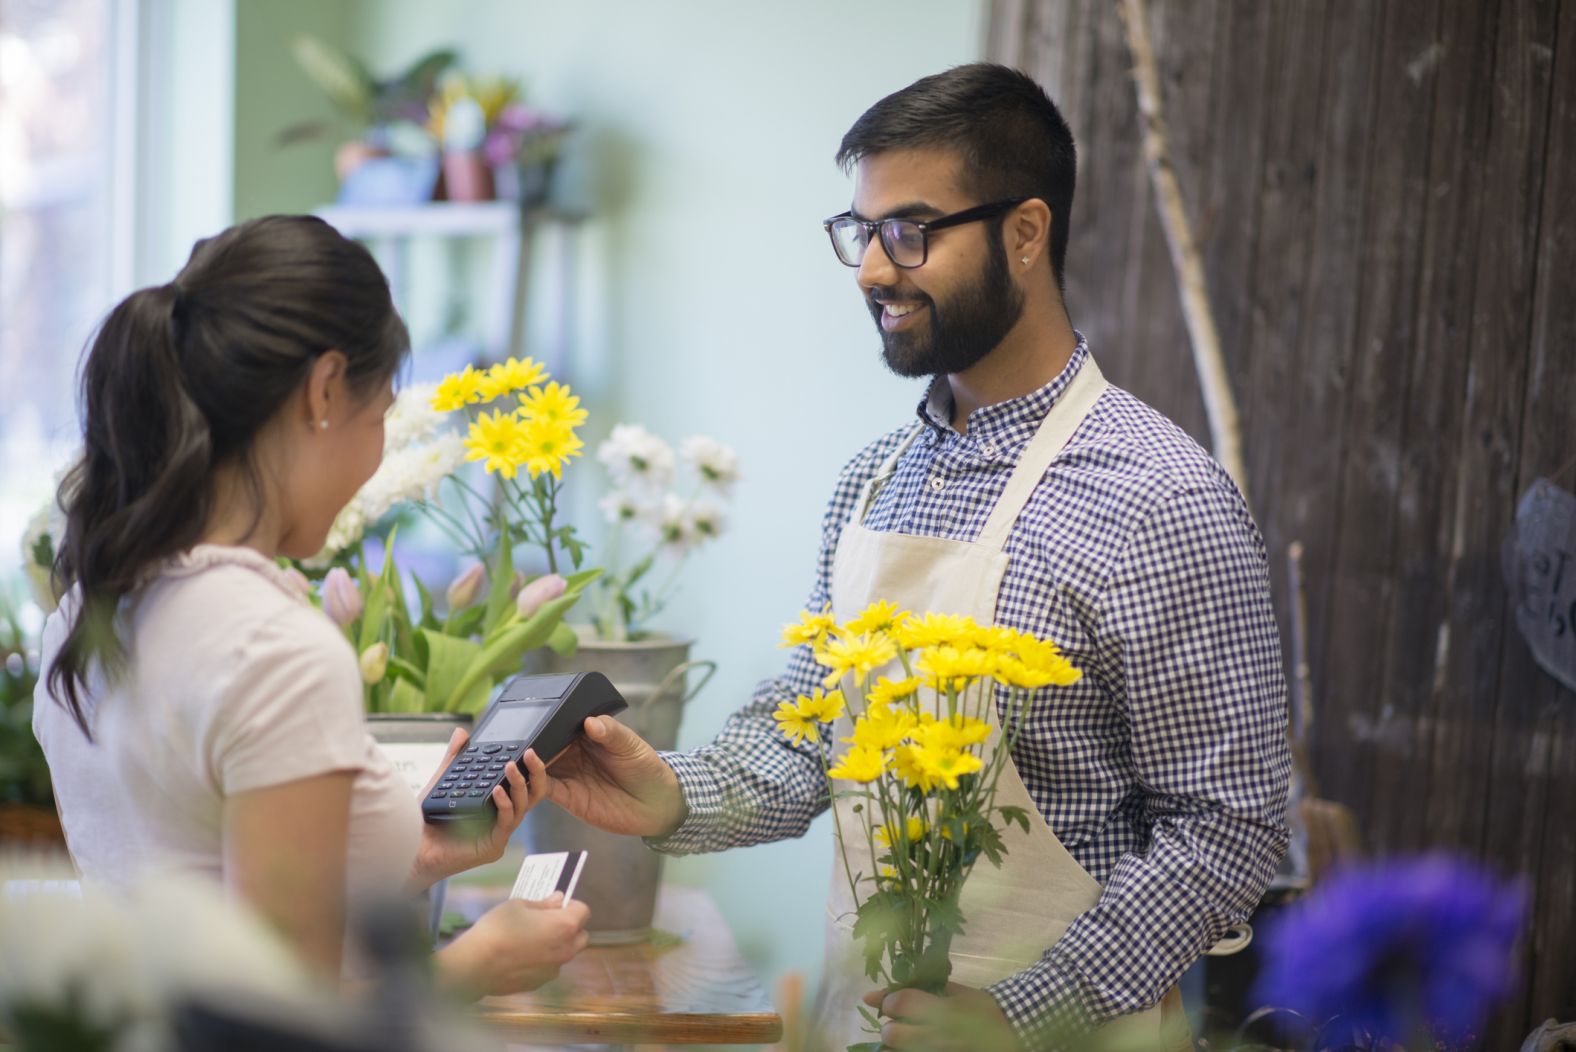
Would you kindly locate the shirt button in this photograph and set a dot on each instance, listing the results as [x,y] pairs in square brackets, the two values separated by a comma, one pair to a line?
[990,448]
[937,484]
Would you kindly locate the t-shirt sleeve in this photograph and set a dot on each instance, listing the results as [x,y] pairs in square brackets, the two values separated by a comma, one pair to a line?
[292,708]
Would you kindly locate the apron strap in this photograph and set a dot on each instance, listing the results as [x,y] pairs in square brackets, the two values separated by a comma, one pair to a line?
[867,496]
[1084,390]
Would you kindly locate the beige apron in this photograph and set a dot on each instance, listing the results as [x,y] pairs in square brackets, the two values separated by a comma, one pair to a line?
[1015,913]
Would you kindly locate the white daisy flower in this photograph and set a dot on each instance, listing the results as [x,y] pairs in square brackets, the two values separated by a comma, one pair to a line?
[716,464]
[636,457]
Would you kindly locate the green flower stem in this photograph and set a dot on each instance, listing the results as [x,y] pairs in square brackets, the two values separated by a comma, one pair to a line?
[836,821]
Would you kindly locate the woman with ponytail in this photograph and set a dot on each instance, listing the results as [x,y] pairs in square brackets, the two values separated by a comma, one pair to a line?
[197,712]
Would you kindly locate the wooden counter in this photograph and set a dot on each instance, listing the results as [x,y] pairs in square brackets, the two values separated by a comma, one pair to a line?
[697,991]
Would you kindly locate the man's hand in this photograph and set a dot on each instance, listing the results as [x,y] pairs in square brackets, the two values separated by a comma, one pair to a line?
[612,779]
[961,1020]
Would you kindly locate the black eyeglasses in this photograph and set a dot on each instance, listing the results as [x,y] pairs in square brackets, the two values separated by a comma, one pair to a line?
[906,241]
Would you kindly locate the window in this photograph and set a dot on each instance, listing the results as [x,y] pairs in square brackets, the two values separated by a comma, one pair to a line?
[59,242]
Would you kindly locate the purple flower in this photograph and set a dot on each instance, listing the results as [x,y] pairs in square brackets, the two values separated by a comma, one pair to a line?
[1397,947]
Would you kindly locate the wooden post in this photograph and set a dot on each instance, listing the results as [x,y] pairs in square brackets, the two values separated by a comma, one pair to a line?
[1219,403]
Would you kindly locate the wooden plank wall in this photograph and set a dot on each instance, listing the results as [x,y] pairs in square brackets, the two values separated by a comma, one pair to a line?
[1385,196]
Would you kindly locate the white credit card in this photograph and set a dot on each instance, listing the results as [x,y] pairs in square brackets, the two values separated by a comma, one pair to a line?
[541,875]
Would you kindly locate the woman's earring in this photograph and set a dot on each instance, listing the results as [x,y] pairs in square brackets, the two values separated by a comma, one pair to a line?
[322,425]
[1025,260]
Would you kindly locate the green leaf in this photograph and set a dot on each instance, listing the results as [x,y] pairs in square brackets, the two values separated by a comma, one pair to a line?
[450,661]
[344,80]
[428,618]
[1016,815]
[564,641]
[406,697]
[499,601]
[406,670]
[504,647]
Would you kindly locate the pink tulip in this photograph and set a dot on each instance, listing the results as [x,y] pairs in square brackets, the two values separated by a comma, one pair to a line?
[298,581]
[466,587]
[542,590]
[341,598]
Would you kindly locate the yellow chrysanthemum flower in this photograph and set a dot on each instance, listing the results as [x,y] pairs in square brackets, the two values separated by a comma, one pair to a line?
[879,616]
[946,766]
[998,638]
[1046,657]
[859,654]
[951,668]
[499,439]
[823,706]
[883,728]
[547,445]
[935,630]
[1014,673]
[795,725]
[915,827]
[516,374]
[457,390]
[552,404]
[908,764]
[859,764]
[886,691]
[812,629]
[956,732]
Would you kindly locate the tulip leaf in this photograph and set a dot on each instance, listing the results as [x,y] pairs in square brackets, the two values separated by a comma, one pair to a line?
[406,697]
[503,649]
[499,598]
[450,660]
[564,641]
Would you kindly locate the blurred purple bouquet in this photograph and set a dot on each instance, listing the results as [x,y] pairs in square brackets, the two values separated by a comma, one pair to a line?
[1399,949]
[524,135]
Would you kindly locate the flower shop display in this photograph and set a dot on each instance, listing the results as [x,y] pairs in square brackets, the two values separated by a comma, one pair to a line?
[424,656]
[27,803]
[380,163]
[911,754]
[652,522]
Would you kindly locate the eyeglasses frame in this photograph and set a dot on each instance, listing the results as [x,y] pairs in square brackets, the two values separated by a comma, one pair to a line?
[874,226]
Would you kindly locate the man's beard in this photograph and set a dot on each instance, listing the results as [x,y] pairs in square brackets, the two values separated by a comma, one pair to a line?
[961,332]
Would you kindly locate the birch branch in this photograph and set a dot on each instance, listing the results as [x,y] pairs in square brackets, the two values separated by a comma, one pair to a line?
[1220,405]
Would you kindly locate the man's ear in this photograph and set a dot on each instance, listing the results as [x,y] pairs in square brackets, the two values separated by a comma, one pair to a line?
[1028,232]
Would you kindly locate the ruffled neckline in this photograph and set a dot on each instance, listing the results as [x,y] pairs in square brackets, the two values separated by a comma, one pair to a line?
[208,556]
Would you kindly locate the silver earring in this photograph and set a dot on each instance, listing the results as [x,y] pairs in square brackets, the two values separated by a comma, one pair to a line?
[322,425]
[1025,260]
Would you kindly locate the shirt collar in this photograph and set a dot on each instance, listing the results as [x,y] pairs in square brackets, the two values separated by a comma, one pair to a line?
[1003,421]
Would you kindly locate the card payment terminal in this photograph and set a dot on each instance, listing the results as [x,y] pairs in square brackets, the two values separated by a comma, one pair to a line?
[544,713]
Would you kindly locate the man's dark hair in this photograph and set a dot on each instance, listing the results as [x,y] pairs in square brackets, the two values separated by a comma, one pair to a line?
[1009,134]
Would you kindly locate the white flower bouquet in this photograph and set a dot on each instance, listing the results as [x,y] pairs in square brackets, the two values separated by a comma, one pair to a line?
[656,519]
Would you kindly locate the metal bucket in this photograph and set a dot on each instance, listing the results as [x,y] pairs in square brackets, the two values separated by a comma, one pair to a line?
[621,874]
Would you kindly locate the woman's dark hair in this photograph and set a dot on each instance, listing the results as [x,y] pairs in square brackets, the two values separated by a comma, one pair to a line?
[178,381]
[1010,135]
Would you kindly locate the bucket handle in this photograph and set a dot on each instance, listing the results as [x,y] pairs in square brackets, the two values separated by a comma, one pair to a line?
[677,672]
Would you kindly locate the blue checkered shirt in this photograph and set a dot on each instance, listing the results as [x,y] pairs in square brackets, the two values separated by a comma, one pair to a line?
[1163,771]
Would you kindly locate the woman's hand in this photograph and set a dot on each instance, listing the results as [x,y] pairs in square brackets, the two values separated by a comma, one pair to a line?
[450,848]
[516,945]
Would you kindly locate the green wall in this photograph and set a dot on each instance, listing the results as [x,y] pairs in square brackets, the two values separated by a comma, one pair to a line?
[706,297]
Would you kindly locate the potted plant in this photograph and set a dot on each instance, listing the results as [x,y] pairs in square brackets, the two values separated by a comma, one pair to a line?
[427,664]
[660,510]
[375,110]
[27,804]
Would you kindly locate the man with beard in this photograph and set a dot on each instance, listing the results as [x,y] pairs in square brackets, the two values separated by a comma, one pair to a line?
[1029,493]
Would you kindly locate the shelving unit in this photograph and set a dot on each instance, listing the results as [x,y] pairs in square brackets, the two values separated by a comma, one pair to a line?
[512,229]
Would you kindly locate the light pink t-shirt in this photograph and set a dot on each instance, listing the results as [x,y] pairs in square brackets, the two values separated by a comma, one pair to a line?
[235,683]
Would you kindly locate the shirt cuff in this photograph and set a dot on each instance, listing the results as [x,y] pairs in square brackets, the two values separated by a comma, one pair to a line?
[703,808]
[1042,1007]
